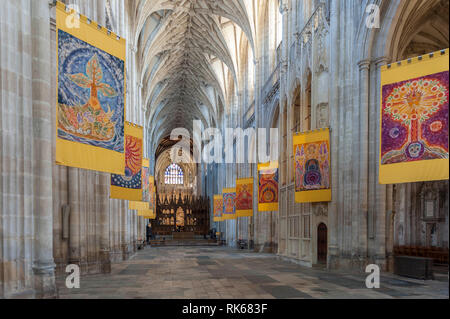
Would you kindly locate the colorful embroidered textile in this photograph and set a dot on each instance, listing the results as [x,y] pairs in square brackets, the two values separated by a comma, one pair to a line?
[244,197]
[90,108]
[414,120]
[152,193]
[218,208]
[129,186]
[312,166]
[268,187]
[145,203]
[229,203]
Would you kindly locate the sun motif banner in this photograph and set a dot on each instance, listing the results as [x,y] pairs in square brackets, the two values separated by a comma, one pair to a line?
[244,197]
[145,203]
[312,166]
[414,120]
[129,186]
[218,208]
[229,203]
[90,108]
[268,187]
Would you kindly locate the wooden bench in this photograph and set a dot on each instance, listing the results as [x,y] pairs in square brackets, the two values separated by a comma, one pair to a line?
[414,267]
[157,242]
[438,254]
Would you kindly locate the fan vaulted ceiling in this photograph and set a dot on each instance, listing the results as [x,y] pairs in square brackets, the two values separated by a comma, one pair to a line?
[180,45]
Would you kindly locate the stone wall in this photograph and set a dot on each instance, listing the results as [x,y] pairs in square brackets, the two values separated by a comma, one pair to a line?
[52,215]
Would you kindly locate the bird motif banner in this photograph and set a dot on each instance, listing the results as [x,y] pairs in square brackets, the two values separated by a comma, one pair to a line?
[218,208]
[414,120]
[268,187]
[312,166]
[145,203]
[244,197]
[229,203]
[129,186]
[90,108]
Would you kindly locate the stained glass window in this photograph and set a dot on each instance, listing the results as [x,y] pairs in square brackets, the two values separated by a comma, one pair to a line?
[174,175]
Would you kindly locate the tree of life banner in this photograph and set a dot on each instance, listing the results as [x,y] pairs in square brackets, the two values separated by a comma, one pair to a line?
[218,208]
[129,186]
[244,197]
[229,203]
[145,203]
[90,108]
[312,166]
[268,187]
[414,120]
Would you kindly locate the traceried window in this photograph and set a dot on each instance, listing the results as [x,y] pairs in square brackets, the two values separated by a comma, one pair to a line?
[174,175]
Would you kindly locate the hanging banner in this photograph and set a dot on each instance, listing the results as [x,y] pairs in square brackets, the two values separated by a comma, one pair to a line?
[229,203]
[147,214]
[312,166]
[414,120]
[244,197]
[152,193]
[218,208]
[146,180]
[145,203]
[90,108]
[268,187]
[134,205]
[129,186]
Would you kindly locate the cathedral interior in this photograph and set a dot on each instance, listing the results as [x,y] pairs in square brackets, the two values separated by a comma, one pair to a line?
[294,66]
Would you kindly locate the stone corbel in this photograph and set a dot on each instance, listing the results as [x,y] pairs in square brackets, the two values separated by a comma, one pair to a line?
[379,62]
[364,64]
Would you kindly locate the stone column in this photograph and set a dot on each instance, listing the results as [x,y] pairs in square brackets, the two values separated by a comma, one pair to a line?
[333,218]
[43,265]
[104,220]
[380,198]
[364,70]
[74,228]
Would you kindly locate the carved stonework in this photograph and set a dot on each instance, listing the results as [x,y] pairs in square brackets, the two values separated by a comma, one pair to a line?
[430,201]
[321,210]
[322,54]
[322,115]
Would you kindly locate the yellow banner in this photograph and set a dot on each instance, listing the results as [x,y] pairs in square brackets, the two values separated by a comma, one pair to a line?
[244,197]
[268,187]
[414,120]
[312,166]
[91,83]
[218,208]
[229,203]
[147,213]
[138,205]
[145,203]
[152,192]
[129,186]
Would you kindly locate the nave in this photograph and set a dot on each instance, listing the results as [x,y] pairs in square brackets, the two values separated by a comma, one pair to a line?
[225,273]
[95,96]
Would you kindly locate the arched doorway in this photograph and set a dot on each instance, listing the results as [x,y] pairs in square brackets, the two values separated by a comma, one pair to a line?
[322,243]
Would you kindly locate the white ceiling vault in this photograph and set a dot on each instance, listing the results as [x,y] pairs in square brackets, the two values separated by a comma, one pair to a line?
[187,51]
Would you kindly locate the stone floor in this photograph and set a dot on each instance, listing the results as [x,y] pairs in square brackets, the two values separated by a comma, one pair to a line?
[224,273]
